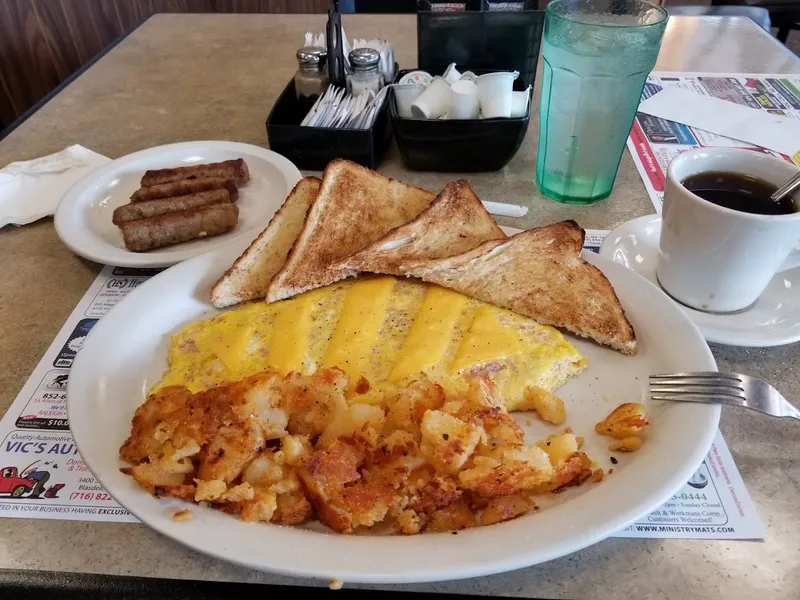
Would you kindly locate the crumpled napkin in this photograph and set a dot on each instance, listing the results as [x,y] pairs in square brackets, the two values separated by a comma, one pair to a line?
[31,190]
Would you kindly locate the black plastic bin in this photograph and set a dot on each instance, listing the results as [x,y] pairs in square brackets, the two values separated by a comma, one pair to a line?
[311,148]
[481,39]
[466,145]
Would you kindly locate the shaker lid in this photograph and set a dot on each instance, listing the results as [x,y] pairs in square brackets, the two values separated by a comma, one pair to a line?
[311,55]
[364,58]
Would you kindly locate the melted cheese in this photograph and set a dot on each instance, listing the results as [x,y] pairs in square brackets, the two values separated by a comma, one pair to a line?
[288,343]
[354,341]
[430,334]
[488,340]
[385,329]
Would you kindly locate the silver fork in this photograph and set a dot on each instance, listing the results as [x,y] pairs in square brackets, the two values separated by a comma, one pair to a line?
[731,389]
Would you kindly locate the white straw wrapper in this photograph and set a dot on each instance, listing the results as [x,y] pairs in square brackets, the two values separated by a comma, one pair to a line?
[506,210]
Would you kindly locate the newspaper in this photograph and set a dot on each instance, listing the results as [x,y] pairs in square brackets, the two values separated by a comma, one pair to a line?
[43,476]
[654,142]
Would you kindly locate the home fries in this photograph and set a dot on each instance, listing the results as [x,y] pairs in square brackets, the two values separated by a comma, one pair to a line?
[376,339]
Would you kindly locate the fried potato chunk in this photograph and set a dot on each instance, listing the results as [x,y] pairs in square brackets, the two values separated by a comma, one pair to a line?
[507,472]
[230,451]
[292,508]
[559,447]
[409,406]
[183,515]
[394,460]
[452,518]
[290,449]
[505,508]
[435,495]
[628,444]
[260,506]
[324,476]
[263,471]
[313,401]
[209,490]
[366,503]
[483,407]
[627,420]
[548,406]
[571,471]
[448,442]
[410,522]
[363,422]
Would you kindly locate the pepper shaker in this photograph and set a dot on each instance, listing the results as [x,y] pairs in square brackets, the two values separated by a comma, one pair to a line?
[311,79]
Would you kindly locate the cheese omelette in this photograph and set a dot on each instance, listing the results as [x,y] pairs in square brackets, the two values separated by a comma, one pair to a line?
[382,332]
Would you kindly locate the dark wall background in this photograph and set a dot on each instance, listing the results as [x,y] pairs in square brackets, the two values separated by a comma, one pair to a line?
[42,42]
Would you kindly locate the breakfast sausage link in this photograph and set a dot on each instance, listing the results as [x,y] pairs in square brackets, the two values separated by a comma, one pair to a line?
[164,206]
[186,186]
[235,169]
[166,230]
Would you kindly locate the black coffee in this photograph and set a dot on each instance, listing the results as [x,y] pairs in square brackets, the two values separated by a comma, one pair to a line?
[739,192]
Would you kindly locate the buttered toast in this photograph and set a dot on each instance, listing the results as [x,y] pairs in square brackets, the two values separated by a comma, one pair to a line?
[249,277]
[538,274]
[455,222]
[354,208]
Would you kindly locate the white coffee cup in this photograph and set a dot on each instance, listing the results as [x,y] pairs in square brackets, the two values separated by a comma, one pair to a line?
[716,259]
[434,101]
[464,102]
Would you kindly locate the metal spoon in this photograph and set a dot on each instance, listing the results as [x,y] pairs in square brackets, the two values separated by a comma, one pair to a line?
[787,188]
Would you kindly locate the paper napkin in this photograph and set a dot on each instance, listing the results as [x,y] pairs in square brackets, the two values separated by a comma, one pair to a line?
[31,190]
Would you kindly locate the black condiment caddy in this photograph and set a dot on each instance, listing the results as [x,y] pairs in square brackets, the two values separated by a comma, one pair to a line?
[476,39]
[461,146]
[311,148]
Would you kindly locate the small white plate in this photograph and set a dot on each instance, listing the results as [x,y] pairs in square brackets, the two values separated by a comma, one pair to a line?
[110,379]
[83,217]
[774,319]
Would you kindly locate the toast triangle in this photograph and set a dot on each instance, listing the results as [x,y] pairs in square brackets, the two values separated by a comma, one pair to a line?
[249,277]
[354,208]
[455,222]
[538,274]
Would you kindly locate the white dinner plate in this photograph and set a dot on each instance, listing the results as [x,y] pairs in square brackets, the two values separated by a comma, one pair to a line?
[772,321]
[83,217]
[126,353]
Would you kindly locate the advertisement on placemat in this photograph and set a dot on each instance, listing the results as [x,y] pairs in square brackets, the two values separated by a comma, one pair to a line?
[43,476]
[41,473]
[654,142]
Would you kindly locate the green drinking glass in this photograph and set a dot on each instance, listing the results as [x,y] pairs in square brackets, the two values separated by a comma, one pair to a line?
[597,55]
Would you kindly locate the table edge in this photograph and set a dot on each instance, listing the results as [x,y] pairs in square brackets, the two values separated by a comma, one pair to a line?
[18,583]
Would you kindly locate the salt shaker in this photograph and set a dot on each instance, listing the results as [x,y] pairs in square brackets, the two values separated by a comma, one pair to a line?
[311,79]
[366,75]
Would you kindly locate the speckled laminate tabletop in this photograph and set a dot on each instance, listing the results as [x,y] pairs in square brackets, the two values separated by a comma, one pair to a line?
[192,77]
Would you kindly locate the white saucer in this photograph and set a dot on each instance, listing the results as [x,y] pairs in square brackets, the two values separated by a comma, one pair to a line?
[773,320]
